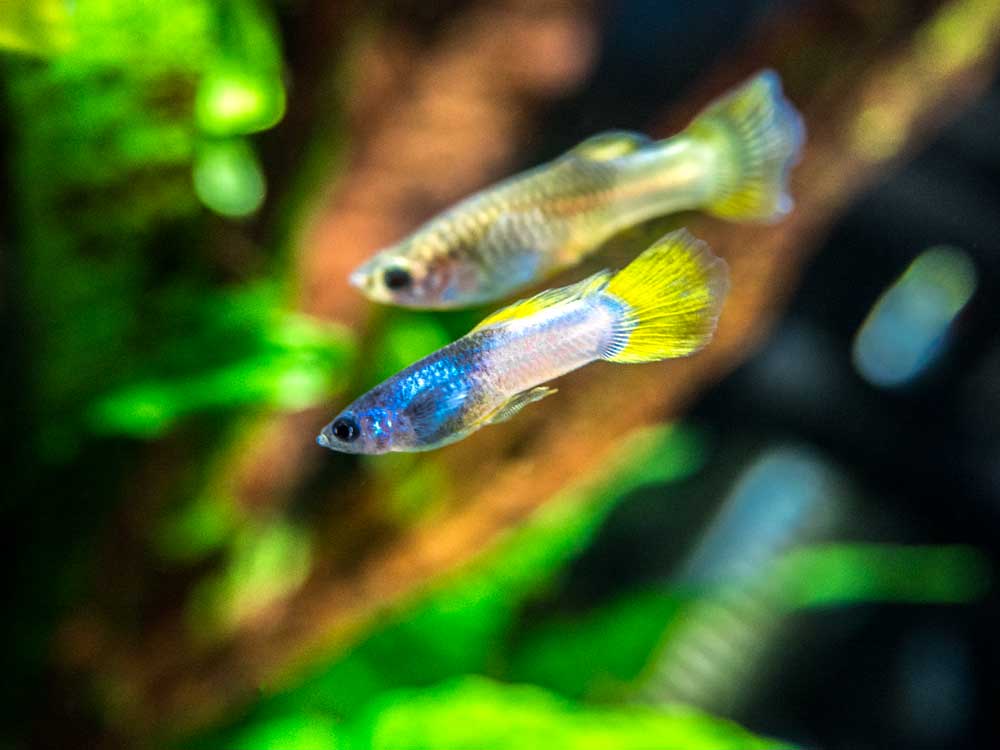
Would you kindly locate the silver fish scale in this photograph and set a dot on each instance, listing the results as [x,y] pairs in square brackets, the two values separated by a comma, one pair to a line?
[531,351]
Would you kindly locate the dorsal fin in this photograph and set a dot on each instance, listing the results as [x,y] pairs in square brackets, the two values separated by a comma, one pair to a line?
[517,402]
[525,308]
[611,145]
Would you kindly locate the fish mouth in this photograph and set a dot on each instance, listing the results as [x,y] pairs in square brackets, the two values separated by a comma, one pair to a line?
[358,279]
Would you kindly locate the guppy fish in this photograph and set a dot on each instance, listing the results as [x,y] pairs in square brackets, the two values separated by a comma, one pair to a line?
[732,161]
[663,304]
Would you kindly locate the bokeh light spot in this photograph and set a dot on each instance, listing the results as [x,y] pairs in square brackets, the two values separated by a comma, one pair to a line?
[907,328]
[232,101]
[228,178]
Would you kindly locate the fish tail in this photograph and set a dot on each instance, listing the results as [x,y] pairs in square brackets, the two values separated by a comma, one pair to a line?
[666,302]
[756,135]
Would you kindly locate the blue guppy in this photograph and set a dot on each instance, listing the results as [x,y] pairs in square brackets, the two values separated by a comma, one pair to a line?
[664,304]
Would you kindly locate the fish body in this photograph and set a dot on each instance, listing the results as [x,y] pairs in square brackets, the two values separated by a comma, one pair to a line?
[664,304]
[732,160]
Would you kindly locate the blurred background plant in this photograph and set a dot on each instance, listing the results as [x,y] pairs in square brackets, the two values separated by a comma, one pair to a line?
[788,540]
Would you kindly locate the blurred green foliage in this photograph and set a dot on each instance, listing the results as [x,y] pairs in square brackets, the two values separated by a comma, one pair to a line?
[127,119]
[406,678]
[145,315]
[34,26]
[227,177]
[242,92]
[598,654]
[267,560]
[478,713]
[462,623]
[837,574]
[460,626]
[236,348]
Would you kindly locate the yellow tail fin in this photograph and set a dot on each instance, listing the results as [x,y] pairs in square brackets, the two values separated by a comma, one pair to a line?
[756,135]
[668,300]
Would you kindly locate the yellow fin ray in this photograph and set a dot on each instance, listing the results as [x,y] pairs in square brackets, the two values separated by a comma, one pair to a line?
[670,297]
[756,135]
[525,308]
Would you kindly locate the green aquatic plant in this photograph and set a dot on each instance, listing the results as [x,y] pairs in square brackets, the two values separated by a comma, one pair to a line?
[242,349]
[113,164]
[457,626]
[406,680]
[474,712]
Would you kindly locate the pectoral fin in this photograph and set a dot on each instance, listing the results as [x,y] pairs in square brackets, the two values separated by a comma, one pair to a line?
[433,409]
[517,402]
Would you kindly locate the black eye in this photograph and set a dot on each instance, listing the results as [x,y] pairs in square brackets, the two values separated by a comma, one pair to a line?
[396,278]
[346,429]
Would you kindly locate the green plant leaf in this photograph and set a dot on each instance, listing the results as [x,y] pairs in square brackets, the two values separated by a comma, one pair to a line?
[458,626]
[477,713]
[241,349]
[597,653]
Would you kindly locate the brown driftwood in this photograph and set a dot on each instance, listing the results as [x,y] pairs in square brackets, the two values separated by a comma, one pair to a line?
[873,84]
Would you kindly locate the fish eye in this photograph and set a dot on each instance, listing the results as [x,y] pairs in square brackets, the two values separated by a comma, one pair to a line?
[346,429]
[396,278]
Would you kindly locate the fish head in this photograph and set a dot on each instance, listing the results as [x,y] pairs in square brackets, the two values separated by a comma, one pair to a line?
[365,429]
[421,272]
[390,278]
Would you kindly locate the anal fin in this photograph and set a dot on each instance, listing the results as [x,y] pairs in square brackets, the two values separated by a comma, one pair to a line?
[517,402]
